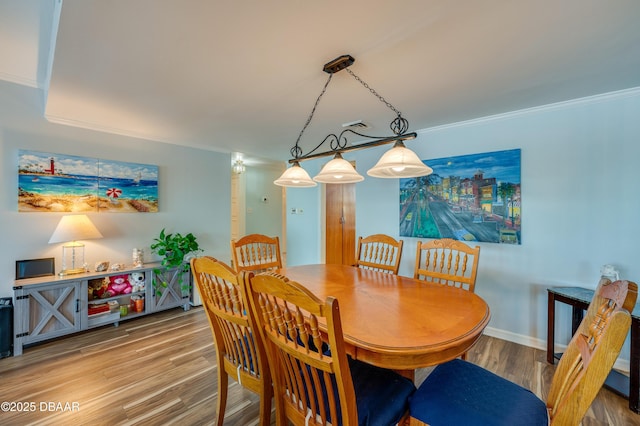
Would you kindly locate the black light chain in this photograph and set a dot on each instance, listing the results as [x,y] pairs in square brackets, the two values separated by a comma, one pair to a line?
[383,100]
[400,124]
[296,151]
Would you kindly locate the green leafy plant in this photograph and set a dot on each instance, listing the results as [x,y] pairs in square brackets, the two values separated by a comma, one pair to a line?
[176,250]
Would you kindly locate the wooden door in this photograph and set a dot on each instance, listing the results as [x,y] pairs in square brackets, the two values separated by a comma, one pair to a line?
[340,231]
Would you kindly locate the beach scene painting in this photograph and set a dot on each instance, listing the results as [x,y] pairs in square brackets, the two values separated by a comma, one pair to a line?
[473,197]
[65,183]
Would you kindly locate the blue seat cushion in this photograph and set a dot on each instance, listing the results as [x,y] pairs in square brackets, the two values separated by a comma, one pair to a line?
[461,393]
[241,350]
[381,394]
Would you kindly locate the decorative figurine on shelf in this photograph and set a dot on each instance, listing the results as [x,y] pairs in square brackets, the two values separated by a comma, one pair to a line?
[138,258]
[609,271]
[117,266]
[136,279]
[119,284]
[98,289]
[102,266]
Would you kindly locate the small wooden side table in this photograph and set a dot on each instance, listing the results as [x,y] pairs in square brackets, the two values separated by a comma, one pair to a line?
[579,298]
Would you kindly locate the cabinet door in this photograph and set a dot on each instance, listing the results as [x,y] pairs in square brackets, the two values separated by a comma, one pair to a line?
[170,288]
[44,312]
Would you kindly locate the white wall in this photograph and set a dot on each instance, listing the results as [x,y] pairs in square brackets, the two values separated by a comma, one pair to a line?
[263,217]
[304,231]
[194,191]
[580,205]
[579,199]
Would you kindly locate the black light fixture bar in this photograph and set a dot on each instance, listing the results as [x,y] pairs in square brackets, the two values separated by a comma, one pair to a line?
[398,162]
[338,144]
[378,142]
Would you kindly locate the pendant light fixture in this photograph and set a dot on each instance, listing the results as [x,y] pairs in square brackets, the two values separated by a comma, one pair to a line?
[338,170]
[398,162]
[295,177]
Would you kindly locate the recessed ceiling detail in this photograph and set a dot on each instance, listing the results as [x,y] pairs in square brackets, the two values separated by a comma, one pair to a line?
[182,73]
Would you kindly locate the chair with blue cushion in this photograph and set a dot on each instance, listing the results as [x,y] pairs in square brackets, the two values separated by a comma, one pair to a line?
[315,387]
[239,350]
[461,393]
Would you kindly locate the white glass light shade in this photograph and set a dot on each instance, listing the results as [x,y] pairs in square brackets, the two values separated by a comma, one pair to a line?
[399,162]
[338,170]
[296,177]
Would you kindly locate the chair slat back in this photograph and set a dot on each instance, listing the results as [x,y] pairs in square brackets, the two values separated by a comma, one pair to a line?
[256,253]
[379,252]
[238,347]
[447,261]
[311,387]
[592,351]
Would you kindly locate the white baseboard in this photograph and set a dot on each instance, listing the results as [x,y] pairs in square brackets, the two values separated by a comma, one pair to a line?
[620,365]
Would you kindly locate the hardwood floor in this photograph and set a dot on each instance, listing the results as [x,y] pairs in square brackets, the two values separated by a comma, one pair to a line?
[161,369]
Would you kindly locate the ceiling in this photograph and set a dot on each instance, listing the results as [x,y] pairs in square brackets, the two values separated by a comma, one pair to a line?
[243,76]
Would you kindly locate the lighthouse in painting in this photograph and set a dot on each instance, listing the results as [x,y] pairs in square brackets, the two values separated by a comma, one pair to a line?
[66,183]
[52,167]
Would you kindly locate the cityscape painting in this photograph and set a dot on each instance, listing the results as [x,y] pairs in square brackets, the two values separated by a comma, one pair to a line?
[469,198]
[65,183]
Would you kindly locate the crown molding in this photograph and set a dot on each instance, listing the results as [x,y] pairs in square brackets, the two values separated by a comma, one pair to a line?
[604,97]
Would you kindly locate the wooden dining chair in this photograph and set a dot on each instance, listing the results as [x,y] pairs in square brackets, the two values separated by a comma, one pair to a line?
[239,350]
[461,393]
[256,253]
[313,385]
[379,252]
[447,261]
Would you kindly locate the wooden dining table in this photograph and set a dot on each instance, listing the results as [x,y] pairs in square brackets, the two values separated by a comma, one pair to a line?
[397,322]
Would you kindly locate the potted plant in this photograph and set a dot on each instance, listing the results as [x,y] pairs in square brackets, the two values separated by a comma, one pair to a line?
[176,251]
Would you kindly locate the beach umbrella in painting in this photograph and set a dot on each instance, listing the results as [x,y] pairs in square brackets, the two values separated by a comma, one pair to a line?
[113,193]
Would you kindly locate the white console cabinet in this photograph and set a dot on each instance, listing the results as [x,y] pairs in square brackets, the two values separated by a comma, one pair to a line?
[54,306]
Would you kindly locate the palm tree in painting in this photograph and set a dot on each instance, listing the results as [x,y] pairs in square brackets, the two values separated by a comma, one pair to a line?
[506,191]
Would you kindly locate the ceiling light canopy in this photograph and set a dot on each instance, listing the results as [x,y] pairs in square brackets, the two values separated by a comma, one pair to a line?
[398,162]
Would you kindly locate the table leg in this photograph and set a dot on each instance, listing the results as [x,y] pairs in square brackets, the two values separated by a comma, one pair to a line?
[634,366]
[409,374]
[551,325]
[577,313]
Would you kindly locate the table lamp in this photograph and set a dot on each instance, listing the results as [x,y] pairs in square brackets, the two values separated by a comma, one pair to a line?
[70,229]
